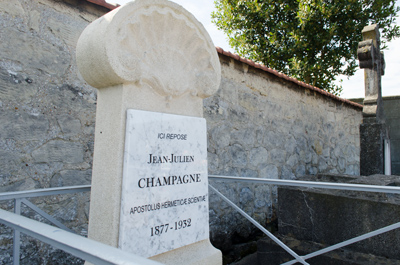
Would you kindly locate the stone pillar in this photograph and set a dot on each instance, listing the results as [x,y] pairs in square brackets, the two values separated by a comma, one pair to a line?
[149,55]
[373,130]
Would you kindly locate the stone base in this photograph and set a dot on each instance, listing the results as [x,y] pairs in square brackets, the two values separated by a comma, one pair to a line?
[332,216]
[372,159]
[199,253]
[270,253]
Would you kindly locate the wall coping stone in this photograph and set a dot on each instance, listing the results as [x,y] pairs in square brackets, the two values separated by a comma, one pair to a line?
[103,3]
[288,78]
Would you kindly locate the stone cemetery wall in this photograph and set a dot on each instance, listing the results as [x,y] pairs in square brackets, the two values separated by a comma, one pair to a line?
[47,112]
[261,125]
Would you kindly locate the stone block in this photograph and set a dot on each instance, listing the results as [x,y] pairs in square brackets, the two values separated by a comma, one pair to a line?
[301,144]
[69,125]
[262,192]
[290,144]
[220,136]
[246,137]
[318,147]
[269,171]
[59,151]
[249,101]
[350,170]
[292,161]
[213,163]
[258,156]
[300,171]
[20,185]
[277,156]
[239,156]
[9,162]
[273,139]
[246,196]
[238,114]
[342,163]
[224,157]
[23,126]
[326,152]
[312,170]
[297,127]
[322,164]
[287,173]
[71,178]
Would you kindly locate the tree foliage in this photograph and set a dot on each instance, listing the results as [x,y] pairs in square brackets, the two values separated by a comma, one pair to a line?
[311,40]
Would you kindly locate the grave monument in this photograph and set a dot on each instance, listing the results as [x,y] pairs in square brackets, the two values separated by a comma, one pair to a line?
[374,134]
[153,64]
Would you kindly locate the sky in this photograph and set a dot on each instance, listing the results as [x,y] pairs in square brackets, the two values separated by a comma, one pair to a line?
[352,87]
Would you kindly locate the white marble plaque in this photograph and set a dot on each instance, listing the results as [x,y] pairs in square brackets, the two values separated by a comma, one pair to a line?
[165,184]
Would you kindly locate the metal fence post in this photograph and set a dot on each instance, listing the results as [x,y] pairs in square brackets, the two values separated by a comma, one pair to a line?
[16,234]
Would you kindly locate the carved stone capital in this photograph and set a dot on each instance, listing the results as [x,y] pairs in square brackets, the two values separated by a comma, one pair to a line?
[152,42]
[366,53]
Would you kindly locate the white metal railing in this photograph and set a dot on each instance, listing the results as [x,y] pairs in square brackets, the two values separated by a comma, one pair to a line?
[79,246]
[62,238]
[99,253]
[43,192]
[21,197]
[309,184]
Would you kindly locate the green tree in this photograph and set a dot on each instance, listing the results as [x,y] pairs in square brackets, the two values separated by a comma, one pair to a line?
[311,40]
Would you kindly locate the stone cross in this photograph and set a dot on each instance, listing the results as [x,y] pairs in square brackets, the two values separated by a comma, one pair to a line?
[150,60]
[373,62]
[374,135]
